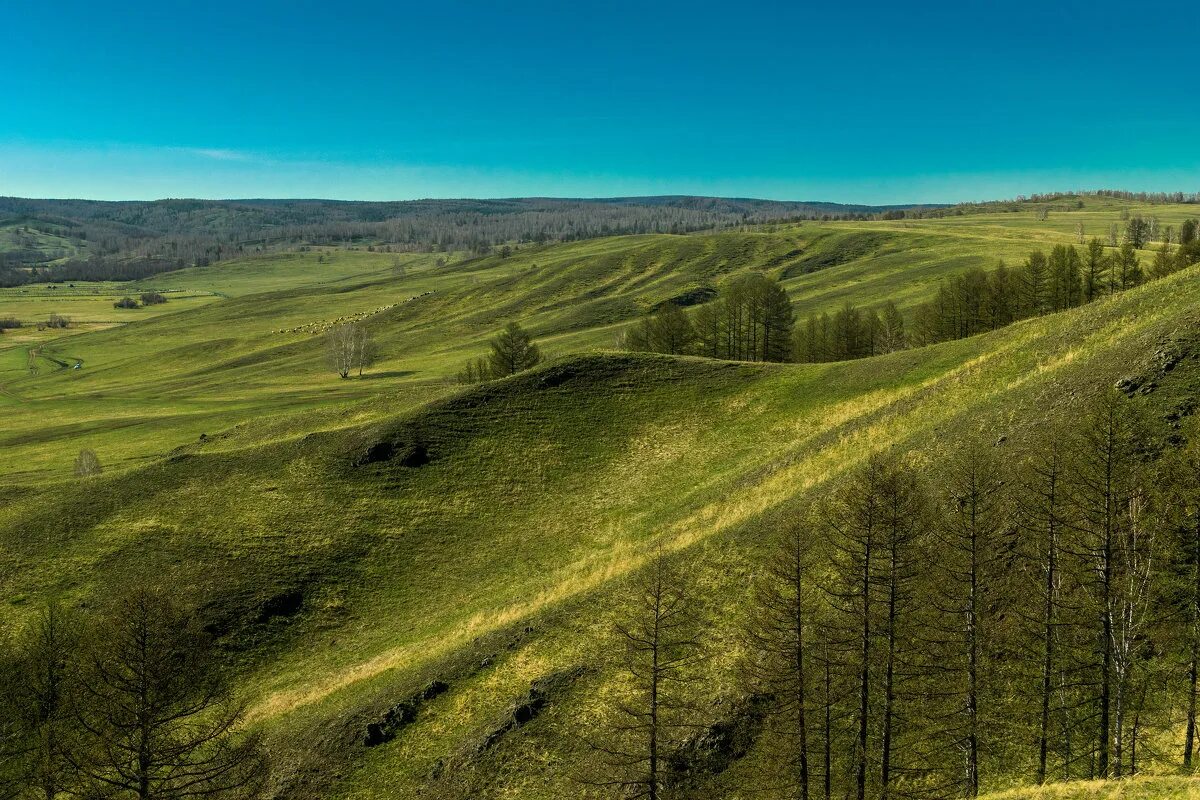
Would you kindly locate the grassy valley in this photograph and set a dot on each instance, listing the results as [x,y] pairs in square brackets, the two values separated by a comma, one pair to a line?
[339,583]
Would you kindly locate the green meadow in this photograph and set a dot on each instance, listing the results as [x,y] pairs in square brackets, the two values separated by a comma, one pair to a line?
[232,459]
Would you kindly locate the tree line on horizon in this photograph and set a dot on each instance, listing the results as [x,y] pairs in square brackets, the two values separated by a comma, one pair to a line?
[944,624]
[135,240]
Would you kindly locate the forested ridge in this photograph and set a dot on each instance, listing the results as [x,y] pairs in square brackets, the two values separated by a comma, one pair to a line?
[124,240]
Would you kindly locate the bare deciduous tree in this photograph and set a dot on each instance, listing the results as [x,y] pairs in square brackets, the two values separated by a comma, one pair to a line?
[87,463]
[348,347]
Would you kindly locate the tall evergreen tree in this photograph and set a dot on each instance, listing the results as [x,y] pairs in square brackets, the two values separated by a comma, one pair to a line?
[1107,479]
[1033,284]
[658,633]
[1095,270]
[155,718]
[1127,268]
[780,637]
[974,523]
[1043,517]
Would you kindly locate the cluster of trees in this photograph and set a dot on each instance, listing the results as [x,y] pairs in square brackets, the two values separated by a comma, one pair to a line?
[147,299]
[750,320]
[127,703]
[977,300]
[350,346]
[512,350]
[940,630]
[116,267]
[850,333]
[1051,201]
[1148,197]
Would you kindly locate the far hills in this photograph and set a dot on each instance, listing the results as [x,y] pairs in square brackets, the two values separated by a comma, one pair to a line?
[138,238]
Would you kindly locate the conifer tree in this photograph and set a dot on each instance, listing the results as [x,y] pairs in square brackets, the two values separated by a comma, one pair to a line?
[667,330]
[1033,284]
[1127,268]
[1106,482]
[1183,502]
[658,634]
[974,521]
[1043,519]
[46,690]
[1094,272]
[780,637]
[707,323]
[513,351]
[155,719]
[1164,261]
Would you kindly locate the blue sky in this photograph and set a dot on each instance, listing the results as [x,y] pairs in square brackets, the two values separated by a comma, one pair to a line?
[857,102]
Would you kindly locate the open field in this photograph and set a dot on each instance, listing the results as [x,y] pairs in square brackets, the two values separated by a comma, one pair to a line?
[496,563]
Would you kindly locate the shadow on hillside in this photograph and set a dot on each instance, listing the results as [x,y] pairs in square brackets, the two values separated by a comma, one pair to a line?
[396,373]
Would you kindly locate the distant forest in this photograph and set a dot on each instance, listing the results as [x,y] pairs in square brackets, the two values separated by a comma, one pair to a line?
[100,240]
[130,240]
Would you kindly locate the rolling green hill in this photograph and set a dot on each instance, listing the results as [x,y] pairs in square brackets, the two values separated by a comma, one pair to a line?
[252,349]
[341,582]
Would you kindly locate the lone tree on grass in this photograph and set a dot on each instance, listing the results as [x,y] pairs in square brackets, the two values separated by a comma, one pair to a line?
[513,351]
[154,718]
[349,347]
[87,463]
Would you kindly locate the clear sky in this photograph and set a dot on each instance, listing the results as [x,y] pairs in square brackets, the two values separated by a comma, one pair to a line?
[881,102]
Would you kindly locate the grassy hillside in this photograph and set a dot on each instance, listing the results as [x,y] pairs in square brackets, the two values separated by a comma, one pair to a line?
[1154,788]
[239,342]
[341,587]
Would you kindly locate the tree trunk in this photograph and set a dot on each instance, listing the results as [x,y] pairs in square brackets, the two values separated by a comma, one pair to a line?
[1048,646]
[889,696]
[828,728]
[801,699]
[864,677]
[1194,666]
